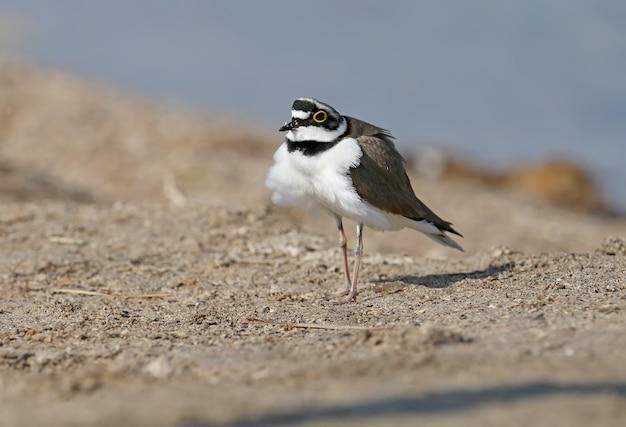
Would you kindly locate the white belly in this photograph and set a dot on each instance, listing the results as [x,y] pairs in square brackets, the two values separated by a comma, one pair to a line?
[322,181]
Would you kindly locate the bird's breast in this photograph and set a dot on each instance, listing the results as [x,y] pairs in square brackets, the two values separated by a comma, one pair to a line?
[322,177]
[322,180]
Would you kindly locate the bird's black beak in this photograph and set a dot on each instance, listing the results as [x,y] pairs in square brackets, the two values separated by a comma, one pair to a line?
[289,125]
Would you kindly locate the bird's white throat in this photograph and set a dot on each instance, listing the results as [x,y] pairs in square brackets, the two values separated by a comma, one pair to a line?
[317,133]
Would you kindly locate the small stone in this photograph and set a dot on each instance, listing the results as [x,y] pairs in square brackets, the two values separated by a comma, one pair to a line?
[158,368]
[613,245]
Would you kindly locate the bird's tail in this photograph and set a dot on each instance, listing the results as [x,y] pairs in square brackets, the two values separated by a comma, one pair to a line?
[443,239]
[436,232]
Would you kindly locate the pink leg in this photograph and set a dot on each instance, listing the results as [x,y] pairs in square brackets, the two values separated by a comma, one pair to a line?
[343,244]
[358,250]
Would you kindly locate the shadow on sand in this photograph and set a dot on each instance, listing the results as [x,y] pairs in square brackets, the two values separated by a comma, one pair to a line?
[447,279]
[429,404]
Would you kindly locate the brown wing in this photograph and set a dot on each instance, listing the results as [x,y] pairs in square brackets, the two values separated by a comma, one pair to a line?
[382,177]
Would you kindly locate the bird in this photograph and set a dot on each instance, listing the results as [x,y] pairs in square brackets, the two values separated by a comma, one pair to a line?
[348,168]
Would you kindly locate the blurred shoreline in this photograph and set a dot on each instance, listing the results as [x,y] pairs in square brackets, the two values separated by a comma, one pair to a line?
[55,126]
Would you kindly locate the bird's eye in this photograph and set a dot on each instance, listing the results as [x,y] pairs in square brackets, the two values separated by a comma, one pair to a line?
[320,116]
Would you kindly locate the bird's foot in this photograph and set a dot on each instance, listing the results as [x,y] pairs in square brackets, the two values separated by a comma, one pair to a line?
[349,295]
[337,295]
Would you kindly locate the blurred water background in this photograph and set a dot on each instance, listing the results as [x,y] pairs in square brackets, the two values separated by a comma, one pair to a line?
[502,82]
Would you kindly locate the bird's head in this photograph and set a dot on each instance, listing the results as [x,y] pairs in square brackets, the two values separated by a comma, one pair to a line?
[312,120]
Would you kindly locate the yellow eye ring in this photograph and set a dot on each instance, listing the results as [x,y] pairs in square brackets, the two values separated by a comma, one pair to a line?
[320,116]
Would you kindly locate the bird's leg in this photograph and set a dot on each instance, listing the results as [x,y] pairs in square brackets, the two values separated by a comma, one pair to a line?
[343,244]
[358,250]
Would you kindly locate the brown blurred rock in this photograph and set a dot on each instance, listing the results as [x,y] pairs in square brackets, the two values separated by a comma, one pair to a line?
[558,181]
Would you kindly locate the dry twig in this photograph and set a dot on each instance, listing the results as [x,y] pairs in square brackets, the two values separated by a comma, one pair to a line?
[316,326]
[102,294]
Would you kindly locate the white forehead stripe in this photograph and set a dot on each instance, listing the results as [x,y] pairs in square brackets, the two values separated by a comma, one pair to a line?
[302,115]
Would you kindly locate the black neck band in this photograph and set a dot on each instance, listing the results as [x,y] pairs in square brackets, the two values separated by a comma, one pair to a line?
[311,148]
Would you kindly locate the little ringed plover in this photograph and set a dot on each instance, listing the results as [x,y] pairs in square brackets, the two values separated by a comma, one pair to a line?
[348,168]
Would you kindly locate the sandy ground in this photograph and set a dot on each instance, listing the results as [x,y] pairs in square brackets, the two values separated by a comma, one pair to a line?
[146,280]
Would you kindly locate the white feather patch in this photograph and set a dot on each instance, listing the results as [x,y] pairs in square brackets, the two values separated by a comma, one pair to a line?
[322,181]
[302,115]
[317,133]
